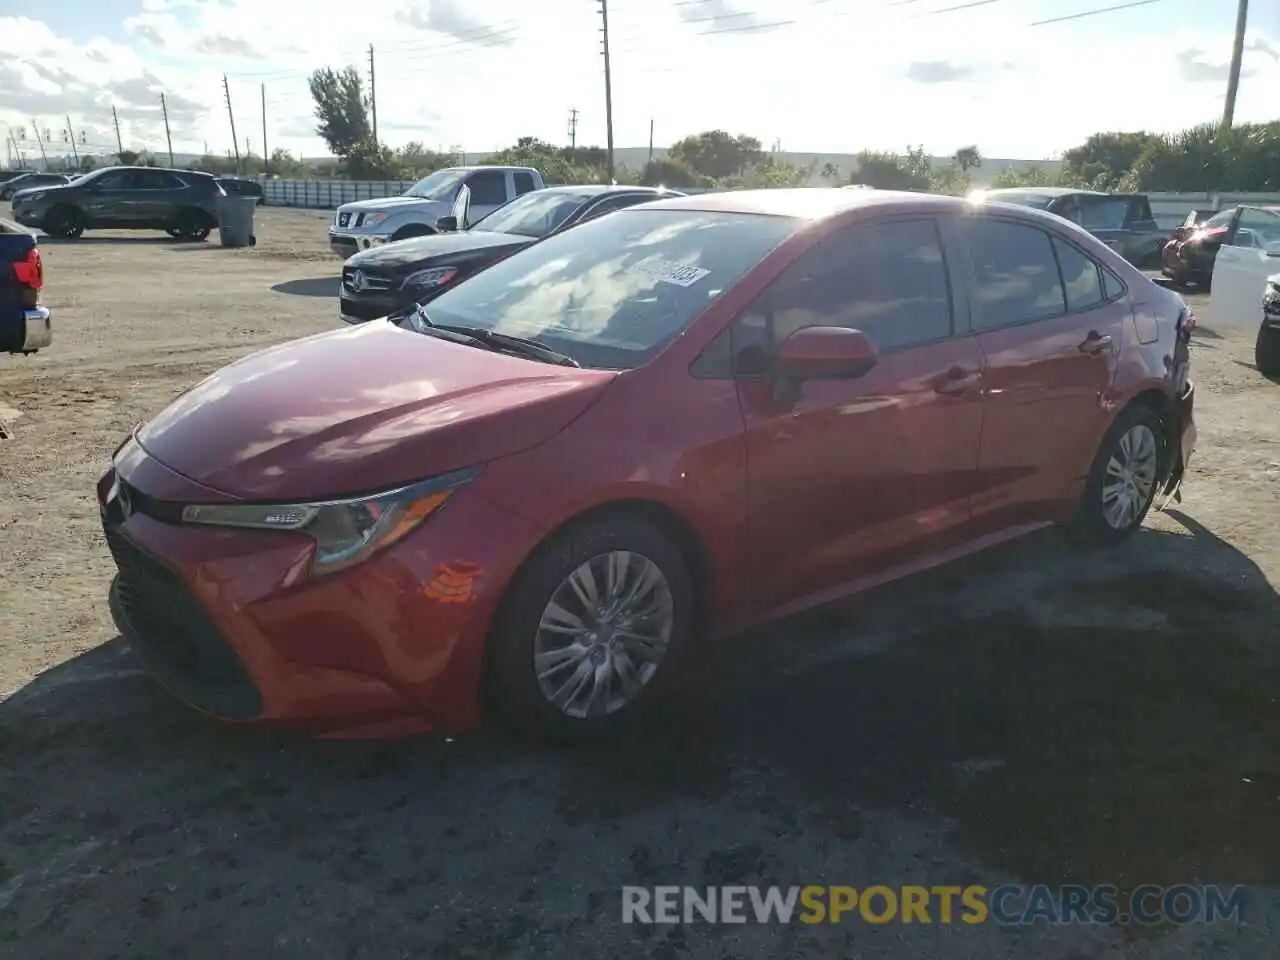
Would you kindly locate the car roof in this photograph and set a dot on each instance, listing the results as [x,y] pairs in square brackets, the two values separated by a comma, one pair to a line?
[805,203]
[602,189]
[1051,192]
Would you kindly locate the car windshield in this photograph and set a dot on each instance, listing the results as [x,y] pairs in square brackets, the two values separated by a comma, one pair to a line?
[441,185]
[532,215]
[614,291]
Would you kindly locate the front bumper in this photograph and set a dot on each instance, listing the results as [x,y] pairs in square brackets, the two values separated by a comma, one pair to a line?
[345,244]
[369,307]
[1182,439]
[29,216]
[220,618]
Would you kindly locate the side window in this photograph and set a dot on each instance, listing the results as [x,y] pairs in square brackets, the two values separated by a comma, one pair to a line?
[1015,271]
[1219,221]
[1068,208]
[888,280]
[524,183]
[1112,287]
[1081,277]
[488,188]
[1263,227]
[121,180]
[1103,213]
[156,180]
[610,205]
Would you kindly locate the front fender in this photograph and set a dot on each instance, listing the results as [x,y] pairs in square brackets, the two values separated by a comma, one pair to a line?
[425,215]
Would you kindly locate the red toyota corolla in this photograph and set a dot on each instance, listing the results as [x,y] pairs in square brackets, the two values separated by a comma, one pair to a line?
[632,438]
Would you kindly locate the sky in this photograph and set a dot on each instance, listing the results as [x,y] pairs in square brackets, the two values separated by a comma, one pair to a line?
[834,76]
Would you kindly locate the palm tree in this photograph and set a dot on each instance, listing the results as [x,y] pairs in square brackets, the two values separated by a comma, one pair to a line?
[966,158]
[831,172]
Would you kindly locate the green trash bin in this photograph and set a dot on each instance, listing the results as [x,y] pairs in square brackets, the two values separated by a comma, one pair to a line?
[235,221]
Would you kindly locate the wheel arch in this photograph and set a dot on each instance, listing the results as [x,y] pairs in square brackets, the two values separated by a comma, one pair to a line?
[410,230]
[1162,403]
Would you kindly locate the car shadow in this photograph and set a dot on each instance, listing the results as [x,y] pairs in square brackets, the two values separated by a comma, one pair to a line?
[309,287]
[114,241]
[1035,717]
[1274,378]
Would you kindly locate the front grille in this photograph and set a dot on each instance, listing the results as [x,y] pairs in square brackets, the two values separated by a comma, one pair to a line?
[359,219]
[344,219]
[369,284]
[174,634]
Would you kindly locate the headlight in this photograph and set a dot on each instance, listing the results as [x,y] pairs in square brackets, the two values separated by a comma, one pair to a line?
[371,219]
[345,531]
[426,279]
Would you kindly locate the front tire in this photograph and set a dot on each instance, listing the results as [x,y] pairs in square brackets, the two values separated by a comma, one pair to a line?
[593,629]
[1266,351]
[1124,479]
[193,225]
[65,222]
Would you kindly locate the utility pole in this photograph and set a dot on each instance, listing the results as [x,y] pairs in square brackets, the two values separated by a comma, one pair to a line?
[573,128]
[651,139]
[226,91]
[115,118]
[608,82]
[164,109]
[1237,59]
[265,157]
[373,95]
[71,135]
[40,141]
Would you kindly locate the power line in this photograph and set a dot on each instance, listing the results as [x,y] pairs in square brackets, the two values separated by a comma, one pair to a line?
[1093,13]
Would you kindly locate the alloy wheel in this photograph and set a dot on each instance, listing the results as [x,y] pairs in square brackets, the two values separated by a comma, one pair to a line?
[604,634]
[1130,480]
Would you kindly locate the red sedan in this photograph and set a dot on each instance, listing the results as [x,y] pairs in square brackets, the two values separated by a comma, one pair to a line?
[631,438]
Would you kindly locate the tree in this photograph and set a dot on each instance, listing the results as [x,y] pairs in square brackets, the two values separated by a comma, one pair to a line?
[717,154]
[670,173]
[557,164]
[128,158]
[284,165]
[967,158]
[88,163]
[416,160]
[891,171]
[1102,160]
[831,172]
[341,109]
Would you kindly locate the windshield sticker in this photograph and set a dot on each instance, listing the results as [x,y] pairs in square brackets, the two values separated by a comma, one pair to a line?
[667,271]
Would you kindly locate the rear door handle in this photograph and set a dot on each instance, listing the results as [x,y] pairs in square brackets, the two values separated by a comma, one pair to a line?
[1095,343]
[957,380]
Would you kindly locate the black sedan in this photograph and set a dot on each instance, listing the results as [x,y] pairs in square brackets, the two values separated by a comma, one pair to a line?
[394,277]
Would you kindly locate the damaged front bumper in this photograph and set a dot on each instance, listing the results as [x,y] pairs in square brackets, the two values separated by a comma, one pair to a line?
[1182,442]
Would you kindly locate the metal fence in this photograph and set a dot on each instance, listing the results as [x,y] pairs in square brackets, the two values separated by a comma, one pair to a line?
[1169,209]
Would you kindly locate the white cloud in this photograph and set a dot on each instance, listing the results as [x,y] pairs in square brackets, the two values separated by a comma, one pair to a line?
[482,72]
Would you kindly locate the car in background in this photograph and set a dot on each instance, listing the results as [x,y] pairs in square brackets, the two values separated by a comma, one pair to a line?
[183,203]
[392,278]
[1123,221]
[540,493]
[240,187]
[27,181]
[1245,289]
[363,224]
[1190,255]
[25,324]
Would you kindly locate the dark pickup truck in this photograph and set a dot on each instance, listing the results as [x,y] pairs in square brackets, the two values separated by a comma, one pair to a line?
[1123,221]
[25,325]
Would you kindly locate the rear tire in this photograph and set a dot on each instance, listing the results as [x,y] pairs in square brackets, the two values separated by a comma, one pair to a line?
[1124,479]
[1266,351]
[193,225]
[65,222]
[608,640]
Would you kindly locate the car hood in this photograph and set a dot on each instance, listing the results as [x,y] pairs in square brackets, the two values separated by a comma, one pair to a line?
[385,204]
[48,186]
[402,253]
[360,410]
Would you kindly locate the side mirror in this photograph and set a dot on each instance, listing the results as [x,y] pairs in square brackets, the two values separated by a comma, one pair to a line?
[462,207]
[447,224]
[825,353]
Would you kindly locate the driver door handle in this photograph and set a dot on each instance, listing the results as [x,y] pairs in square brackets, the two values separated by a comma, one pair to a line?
[1095,343]
[957,380]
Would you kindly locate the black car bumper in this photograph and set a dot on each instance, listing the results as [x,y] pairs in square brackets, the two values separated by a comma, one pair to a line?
[368,307]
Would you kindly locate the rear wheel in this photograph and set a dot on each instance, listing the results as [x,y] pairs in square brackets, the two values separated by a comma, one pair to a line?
[593,628]
[64,222]
[1123,480]
[192,225]
[1266,351]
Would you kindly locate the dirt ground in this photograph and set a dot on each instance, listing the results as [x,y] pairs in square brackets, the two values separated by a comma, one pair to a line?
[1036,716]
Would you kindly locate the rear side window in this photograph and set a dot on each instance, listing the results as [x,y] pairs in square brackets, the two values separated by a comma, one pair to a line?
[888,280]
[524,183]
[1081,277]
[1015,273]
[488,188]
[1220,220]
[1103,213]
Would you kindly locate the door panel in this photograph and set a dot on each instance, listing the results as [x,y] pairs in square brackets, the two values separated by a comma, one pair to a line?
[1051,350]
[851,476]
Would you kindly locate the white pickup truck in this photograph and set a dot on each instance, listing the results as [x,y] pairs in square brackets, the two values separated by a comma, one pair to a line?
[1245,289]
[369,223]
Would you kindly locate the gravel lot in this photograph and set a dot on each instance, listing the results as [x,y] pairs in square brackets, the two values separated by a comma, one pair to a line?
[1037,716]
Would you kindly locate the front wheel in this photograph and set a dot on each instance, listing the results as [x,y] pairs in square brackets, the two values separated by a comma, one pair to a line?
[594,627]
[1123,480]
[65,222]
[192,225]
[1266,351]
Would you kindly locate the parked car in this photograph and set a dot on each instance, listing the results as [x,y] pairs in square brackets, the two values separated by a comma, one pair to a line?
[369,223]
[1189,258]
[27,181]
[1245,290]
[395,277]
[653,429]
[25,325]
[239,186]
[183,203]
[1123,221]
